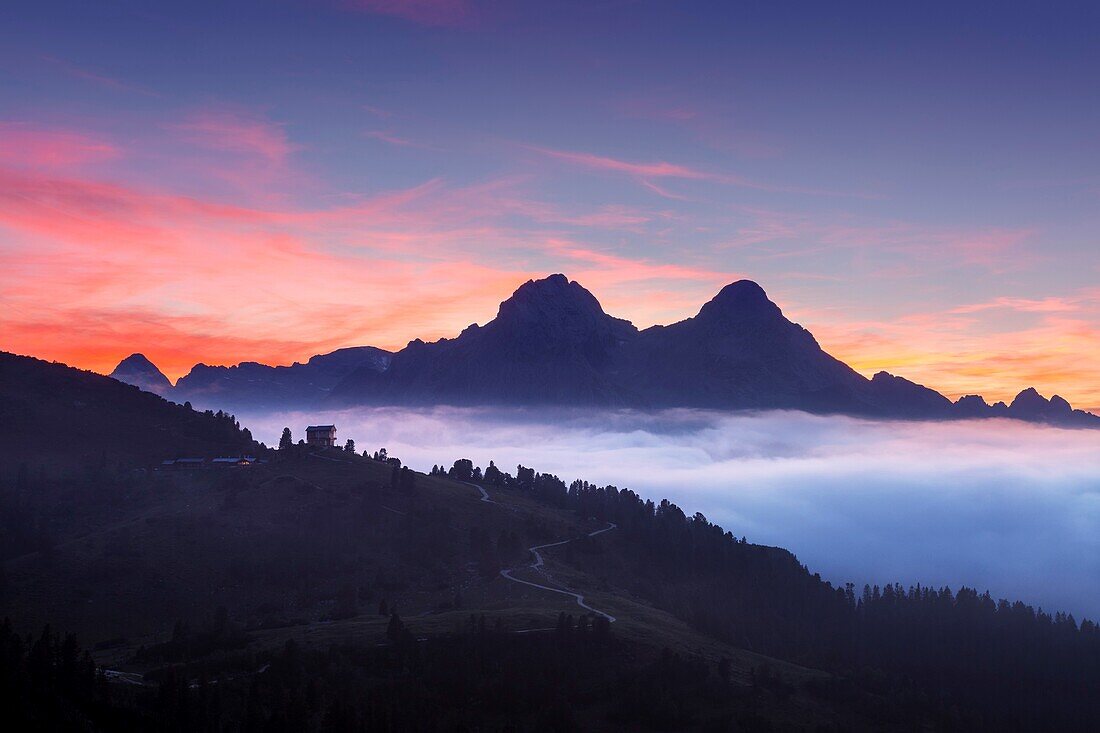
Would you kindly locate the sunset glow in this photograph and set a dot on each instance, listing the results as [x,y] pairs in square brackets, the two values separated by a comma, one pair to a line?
[246,201]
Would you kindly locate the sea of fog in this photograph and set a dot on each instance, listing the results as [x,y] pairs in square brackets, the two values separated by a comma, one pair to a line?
[998,505]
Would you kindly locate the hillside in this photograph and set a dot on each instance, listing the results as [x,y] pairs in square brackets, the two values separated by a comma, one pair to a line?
[542,596]
[54,418]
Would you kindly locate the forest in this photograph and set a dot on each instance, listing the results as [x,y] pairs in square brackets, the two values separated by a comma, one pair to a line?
[1008,665]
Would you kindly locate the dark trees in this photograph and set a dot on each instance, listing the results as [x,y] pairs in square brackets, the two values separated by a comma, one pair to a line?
[462,470]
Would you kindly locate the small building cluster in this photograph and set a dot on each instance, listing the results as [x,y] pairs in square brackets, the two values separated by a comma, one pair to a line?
[197,464]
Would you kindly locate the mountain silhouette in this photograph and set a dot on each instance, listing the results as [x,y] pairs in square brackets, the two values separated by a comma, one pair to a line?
[137,370]
[739,352]
[551,343]
[251,384]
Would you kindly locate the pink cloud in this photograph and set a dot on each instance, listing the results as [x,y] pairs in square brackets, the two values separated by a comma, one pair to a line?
[890,248]
[1024,305]
[24,146]
[93,268]
[392,139]
[661,191]
[237,131]
[661,170]
[378,111]
[97,78]
[655,107]
[641,170]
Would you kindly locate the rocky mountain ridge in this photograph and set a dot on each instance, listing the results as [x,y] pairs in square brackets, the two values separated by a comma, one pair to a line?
[551,343]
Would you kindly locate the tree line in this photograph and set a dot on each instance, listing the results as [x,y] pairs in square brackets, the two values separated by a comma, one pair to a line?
[1012,666]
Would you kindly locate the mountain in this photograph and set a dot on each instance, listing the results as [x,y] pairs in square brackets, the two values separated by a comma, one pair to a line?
[255,385]
[137,370]
[898,397]
[739,352]
[551,343]
[54,417]
[266,597]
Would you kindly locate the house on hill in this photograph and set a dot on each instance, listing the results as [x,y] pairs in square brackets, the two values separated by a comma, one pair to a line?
[321,436]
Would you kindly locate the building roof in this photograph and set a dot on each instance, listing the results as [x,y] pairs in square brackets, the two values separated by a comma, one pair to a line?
[321,427]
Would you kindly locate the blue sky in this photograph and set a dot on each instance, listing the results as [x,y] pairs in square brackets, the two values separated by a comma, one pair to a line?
[916,184]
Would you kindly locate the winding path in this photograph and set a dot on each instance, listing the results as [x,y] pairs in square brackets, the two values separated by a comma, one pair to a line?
[484,494]
[537,564]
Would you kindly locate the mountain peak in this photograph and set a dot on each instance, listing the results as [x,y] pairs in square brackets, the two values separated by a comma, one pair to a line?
[1060,405]
[740,299]
[554,299]
[1029,400]
[137,370]
[552,286]
[137,361]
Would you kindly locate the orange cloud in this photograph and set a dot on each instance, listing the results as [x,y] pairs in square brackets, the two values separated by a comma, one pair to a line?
[993,348]
[92,268]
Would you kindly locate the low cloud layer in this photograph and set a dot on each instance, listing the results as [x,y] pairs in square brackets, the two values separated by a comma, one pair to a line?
[997,505]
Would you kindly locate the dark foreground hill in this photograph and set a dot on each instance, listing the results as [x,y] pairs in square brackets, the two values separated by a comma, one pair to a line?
[329,591]
[54,417]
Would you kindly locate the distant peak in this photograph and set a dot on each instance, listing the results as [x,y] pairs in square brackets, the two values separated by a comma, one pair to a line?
[137,360]
[1030,403]
[553,294]
[741,298]
[136,369]
[558,305]
[552,285]
[745,288]
[1060,404]
[1029,396]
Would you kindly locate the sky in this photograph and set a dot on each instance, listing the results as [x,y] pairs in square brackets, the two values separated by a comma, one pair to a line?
[1006,506]
[917,184]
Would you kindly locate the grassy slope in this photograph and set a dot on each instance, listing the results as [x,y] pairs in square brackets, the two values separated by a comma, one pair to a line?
[283,547]
[276,545]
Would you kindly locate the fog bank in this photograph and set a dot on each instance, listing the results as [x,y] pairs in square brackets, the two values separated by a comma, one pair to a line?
[999,505]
